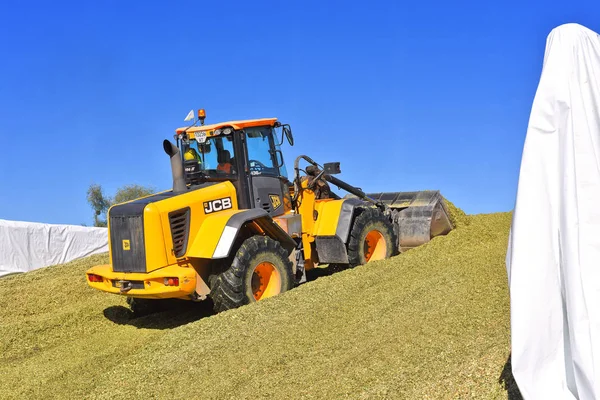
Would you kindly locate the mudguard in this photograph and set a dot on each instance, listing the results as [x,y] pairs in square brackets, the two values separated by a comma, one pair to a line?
[218,232]
[346,216]
[332,248]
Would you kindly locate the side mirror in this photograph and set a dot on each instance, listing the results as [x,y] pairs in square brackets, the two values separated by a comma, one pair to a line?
[332,168]
[287,131]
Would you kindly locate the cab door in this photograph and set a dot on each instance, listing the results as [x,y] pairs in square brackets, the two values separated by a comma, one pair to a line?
[266,171]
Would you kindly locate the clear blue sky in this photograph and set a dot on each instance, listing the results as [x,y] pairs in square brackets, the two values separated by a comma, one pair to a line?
[406,95]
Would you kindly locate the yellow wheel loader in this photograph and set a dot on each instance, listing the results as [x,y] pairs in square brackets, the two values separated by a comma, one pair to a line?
[235,229]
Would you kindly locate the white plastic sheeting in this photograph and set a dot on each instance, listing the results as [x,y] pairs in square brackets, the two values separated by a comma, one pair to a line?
[25,246]
[553,261]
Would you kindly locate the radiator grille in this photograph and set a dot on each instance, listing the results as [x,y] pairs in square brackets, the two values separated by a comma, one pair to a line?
[180,228]
[127,243]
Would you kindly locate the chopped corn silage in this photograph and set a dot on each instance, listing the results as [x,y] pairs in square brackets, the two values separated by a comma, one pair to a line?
[430,323]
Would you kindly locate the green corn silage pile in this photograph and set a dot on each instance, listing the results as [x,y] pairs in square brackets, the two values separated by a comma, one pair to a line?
[430,323]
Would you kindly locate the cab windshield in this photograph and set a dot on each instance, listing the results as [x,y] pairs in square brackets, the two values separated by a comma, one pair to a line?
[213,158]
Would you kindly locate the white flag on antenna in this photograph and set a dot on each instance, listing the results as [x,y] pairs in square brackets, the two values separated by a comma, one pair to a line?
[190,116]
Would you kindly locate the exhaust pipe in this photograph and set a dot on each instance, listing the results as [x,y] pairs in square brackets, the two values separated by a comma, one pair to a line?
[172,151]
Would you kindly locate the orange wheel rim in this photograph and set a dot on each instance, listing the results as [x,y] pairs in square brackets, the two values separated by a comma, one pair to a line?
[266,281]
[375,246]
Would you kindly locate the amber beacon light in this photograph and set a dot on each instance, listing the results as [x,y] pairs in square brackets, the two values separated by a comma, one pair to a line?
[201,115]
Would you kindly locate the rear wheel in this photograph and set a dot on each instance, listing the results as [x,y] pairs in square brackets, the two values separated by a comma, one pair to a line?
[372,238]
[260,269]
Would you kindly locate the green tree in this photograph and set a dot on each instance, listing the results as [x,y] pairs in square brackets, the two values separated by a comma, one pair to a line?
[132,192]
[100,202]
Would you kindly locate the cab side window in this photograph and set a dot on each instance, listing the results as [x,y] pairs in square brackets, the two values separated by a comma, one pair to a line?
[259,155]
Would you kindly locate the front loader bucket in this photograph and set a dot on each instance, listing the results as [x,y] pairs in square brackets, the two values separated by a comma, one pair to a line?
[418,216]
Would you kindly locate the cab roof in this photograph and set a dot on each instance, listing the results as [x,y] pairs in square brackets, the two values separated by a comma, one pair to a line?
[209,129]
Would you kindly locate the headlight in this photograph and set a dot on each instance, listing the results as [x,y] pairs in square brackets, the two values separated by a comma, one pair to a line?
[227,131]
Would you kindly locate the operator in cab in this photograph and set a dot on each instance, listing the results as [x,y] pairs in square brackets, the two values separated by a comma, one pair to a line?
[224,160]
[192,155]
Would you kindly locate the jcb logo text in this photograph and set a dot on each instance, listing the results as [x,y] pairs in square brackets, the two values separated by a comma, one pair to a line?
[217,205]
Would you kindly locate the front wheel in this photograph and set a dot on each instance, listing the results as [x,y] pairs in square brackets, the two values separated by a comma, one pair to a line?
[260,269]
[371,238]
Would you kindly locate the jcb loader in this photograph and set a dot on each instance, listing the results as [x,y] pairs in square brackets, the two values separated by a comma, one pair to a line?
[233,227]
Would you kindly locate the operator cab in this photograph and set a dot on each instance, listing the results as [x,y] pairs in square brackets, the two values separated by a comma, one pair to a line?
[246,153]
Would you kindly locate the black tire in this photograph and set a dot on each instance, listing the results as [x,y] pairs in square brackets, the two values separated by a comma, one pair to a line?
[241,283]
[371,222]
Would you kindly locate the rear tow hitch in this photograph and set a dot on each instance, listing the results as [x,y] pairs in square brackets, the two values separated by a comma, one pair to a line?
[124,286]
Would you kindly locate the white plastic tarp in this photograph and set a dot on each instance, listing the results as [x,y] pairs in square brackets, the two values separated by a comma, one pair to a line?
[553,259]
[25,246]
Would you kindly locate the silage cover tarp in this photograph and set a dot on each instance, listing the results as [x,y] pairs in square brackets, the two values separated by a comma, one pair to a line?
[553,260]
[25,246]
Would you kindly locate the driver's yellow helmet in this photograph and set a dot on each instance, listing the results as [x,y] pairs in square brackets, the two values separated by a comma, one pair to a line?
[191,154]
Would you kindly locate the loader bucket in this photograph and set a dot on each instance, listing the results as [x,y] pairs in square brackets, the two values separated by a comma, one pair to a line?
[418,216]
